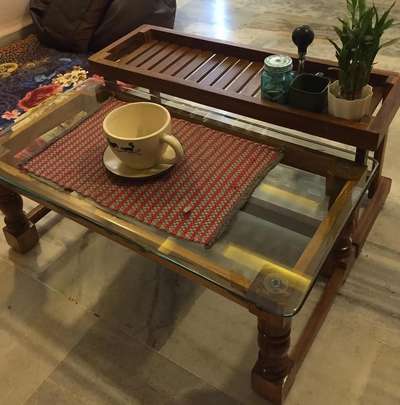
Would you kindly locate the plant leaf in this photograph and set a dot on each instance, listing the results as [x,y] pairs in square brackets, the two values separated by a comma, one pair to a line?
[360,35]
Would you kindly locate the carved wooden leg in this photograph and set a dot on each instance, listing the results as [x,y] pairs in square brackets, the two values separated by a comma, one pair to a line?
[20,234]
[273,363]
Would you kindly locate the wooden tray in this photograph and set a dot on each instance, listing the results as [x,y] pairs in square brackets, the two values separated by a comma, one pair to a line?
[228,76]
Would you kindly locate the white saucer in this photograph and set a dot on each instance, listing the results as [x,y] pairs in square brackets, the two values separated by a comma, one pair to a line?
[114,165]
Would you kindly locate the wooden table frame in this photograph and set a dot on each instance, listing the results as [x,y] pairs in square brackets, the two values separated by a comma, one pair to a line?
[276,366]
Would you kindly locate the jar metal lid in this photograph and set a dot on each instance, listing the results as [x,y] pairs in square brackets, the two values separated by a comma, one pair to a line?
[278,63]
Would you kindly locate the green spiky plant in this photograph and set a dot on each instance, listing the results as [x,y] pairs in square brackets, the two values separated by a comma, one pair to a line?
[360,35]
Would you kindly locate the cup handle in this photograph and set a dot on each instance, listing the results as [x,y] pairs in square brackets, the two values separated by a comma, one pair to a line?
[176,146]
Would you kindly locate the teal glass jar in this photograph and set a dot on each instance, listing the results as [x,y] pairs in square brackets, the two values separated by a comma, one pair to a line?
[276,78]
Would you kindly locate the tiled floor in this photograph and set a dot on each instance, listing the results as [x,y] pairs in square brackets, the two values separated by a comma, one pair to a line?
[85,321]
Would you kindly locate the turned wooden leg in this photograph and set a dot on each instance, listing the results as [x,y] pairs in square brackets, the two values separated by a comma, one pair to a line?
[273,364]
[20,234]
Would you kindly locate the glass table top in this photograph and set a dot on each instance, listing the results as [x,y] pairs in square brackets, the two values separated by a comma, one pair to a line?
[274,248]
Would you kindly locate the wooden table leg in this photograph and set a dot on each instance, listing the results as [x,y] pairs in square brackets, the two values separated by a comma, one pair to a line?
[371,212]
[344,252]
[379,155]
[155,96]
[20,234]
[273,364]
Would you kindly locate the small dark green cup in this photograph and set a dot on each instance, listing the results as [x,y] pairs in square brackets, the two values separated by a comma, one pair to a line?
[309,92]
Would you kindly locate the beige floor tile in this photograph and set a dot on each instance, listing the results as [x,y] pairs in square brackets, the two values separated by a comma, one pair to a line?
[383,379]
[109,367]
[35,261]
[38,328]
[384,232]
[50,393]
[375,280]
[217,340]
[107,278]
[342,363]
[57,236]
[338,369]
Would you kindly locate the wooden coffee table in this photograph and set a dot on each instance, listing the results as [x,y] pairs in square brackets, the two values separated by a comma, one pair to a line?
[296,227]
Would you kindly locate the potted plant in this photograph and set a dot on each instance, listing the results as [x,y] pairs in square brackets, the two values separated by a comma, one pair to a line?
[360,37]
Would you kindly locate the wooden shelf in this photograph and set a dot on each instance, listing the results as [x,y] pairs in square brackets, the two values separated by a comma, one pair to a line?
[228,76]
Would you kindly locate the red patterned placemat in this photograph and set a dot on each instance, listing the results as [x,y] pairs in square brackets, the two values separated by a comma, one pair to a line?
[195,200]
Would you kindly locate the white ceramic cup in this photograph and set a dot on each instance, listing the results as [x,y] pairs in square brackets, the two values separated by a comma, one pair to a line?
[139,133]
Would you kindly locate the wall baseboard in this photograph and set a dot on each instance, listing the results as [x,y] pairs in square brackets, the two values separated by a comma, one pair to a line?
[15,36]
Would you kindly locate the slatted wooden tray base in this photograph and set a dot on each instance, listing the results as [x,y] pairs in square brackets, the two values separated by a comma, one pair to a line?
[212,70]
[228,76]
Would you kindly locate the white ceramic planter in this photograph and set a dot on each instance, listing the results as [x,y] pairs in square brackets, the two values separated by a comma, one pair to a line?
[349,109]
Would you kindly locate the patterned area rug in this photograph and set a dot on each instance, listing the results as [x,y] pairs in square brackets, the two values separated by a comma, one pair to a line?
[31,73]
[195,200]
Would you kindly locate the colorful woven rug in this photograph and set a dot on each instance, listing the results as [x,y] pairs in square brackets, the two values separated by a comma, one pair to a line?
[195,200]
[31,73]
